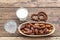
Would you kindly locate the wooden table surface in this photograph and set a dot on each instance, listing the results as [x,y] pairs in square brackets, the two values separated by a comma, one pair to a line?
[8,12]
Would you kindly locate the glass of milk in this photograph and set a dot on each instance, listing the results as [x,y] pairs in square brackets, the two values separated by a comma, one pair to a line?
[22,14]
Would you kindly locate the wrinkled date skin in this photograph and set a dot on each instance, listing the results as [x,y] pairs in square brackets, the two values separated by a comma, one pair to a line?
[36,28]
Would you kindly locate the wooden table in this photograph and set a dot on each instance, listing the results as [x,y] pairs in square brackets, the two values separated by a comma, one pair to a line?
[8,12]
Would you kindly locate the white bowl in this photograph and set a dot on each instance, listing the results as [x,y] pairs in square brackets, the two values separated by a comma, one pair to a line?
[35,35]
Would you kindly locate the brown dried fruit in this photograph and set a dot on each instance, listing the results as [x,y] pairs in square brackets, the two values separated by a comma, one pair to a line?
[41,32]
[48,25]
[36,31]
[46,31]
[36,28]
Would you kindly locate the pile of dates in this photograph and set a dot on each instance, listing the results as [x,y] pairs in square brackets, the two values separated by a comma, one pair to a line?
[36,28]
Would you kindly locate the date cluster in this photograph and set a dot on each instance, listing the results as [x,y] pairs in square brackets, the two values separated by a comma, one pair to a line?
[36,28]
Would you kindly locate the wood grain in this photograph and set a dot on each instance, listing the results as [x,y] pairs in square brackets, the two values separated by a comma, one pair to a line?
[10,14]
[27,38]
[30,3]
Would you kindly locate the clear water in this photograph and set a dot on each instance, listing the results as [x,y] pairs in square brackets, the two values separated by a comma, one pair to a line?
[10,26]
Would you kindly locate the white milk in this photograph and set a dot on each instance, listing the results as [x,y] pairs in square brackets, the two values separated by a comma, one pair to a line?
[22,14]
